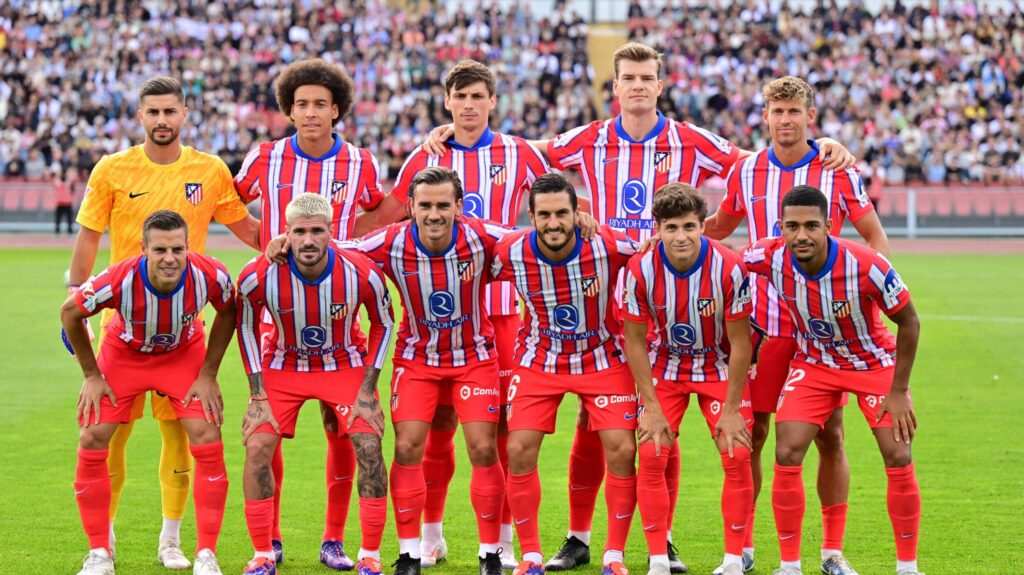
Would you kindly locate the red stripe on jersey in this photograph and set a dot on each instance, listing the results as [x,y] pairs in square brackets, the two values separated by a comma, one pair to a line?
[278,171]
[572,321]
[444,323]
[147,320]
[836,311]
[315,324]
[689,309]
[496,175]
[622,174]
[755,188]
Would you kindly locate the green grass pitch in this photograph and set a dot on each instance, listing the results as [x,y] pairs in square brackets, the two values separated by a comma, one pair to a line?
[968,388]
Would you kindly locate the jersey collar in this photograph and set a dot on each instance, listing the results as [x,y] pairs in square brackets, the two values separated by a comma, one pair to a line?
[833,253]
[144,272]
[294,142]
[813,153]
[414,230]
[327,270]
[653,133]
[696,264]
[485,140]
[572,255]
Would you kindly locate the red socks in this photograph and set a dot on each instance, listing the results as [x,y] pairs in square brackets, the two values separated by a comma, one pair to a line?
[904,502]
[209,491]
[408,494]
[92,490]
[620,497]
[833,525]
[652,497]
[340,469]
[737,498]
[672,481]
[506,511]
[524,498]
[277,466]
[438,469]
[586,468]
[487,493]
[373,513]
[259,518]
[788,504]
[748,539]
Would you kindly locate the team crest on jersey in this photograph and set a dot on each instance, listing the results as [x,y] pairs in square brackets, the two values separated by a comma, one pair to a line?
[337,190]
[662,161]
[706,306]
[841,308]
[466,269]
[194,193]
[186,318]
[498,174]
[339,310]
[591,286]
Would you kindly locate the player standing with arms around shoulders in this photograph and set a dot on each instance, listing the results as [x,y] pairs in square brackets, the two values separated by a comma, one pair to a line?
[155,342]
[835,289]
[123,190]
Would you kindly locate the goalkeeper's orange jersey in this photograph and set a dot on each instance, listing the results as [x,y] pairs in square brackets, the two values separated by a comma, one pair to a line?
[126,187]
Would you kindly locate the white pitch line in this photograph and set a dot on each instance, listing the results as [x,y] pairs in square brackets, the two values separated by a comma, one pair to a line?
[974,318]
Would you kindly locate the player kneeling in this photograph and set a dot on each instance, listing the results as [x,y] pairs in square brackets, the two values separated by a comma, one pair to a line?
[153,343]
[696,295]
[316,351]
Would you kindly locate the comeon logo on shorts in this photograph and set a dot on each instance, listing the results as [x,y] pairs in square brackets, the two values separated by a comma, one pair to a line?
[604,401]
[466,392]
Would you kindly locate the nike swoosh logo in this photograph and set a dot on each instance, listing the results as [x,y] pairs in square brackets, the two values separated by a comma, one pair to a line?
[289,310]
[661,307]
[577,487]
[609,160]
[342,477]
[428,483]
[491,409]
[650,527]
[407,274]
[907,535]
[759,199]
[82,490]
[521,521]
[216,478]
[738,527]
[785,537]
[630,415]
[535,293]
[279,186]
[133,195]
[488,516]
[621,516]
[179,472]
[400,510]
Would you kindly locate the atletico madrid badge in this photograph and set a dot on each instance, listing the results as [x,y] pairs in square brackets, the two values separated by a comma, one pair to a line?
[339,310]
[841,308]
[466,270]
[662,161]
[337,191]
[591,286]
[498,174]
[194,193]
[706,306]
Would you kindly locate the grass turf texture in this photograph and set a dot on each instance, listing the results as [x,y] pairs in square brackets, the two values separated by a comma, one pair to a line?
[967,387]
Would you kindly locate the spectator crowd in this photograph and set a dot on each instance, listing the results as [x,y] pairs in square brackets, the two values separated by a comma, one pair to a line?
[920,95]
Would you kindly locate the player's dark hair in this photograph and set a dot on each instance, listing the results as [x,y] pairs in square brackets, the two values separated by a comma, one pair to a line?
[161,86]
[806,196]
[435,176]
[165,221]
[553,184]
[315,72]
[675,200]
[467,73]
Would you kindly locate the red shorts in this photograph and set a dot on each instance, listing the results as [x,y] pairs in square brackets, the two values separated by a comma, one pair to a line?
[609,398]
[417,390]
[674,398]
[287,391]
[768,370]
[813,392]
[506,329]
[131,374]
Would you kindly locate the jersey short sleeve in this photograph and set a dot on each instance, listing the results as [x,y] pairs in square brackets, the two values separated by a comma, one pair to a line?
[247,182]
[101,291]
[566,150]
[886,286]
[372,195]
[634,297]
[733,203]
[98,200]
[416,161]
[852,196]
[737,290]
[221,289]
[250,306]
[715,154]
[758,257]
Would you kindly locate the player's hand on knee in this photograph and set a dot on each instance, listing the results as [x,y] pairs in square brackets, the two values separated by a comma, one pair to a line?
[436,139]
[654,427]
[257,414]
[367,407]
[836,156]
[733,430]
[93,389]
[206,391]
[904,422]
[277,249]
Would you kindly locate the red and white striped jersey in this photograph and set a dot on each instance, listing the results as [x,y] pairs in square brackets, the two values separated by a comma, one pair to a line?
[314,324]
[572,323]
[689,309]
[496,175]
[622,174]
[147,320]
[755,188]
[836,310]
[278,171]
[444,323]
